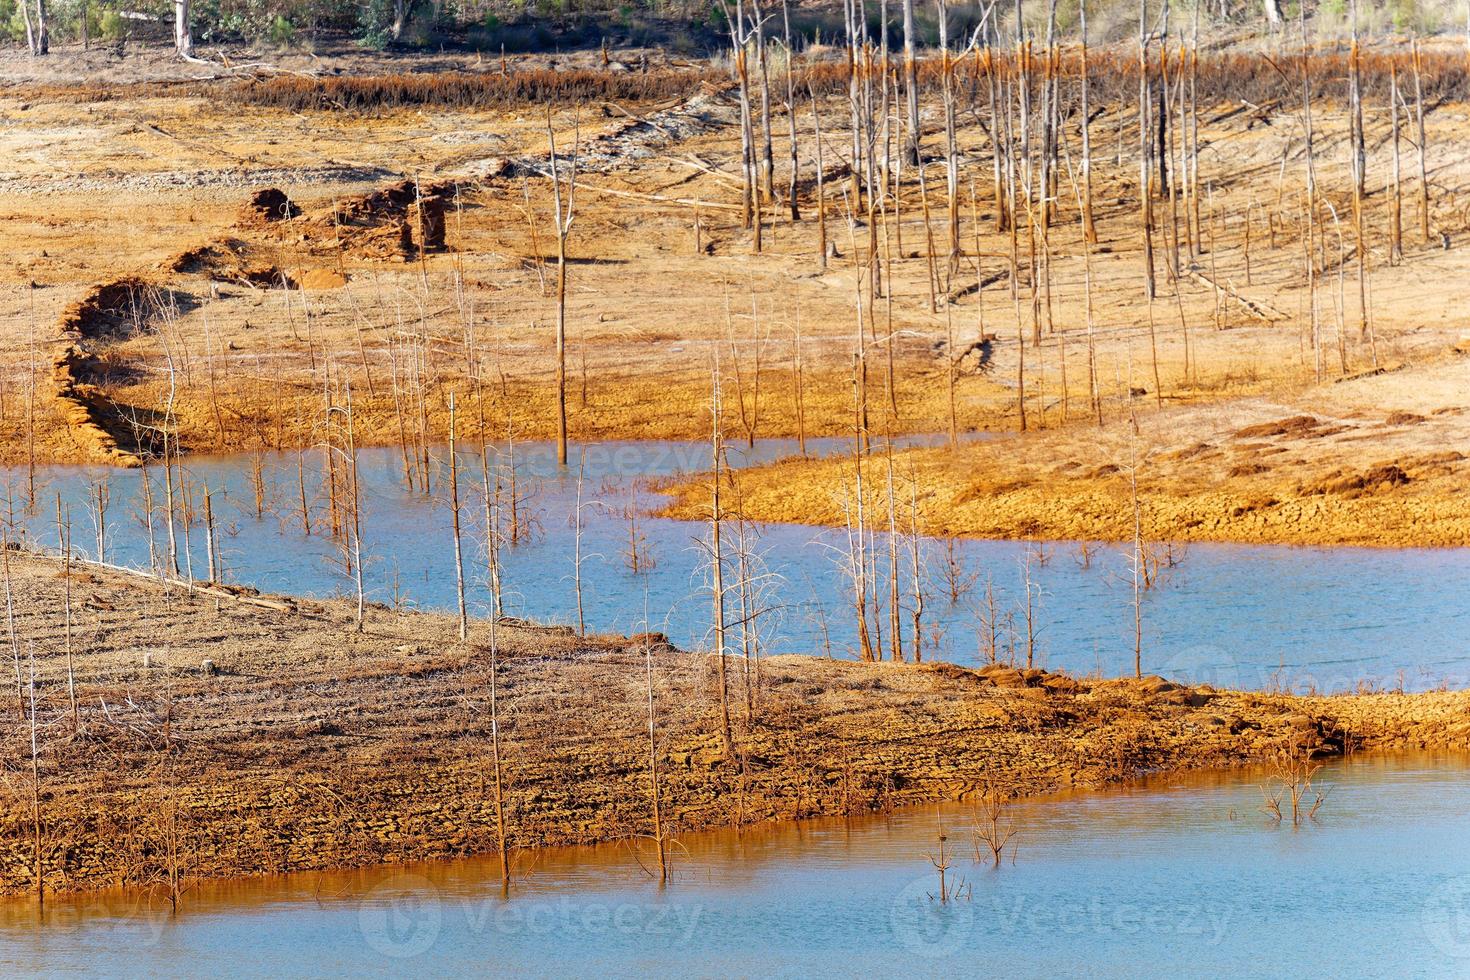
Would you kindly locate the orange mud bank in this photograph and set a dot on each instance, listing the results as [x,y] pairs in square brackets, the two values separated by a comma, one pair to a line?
[305,744]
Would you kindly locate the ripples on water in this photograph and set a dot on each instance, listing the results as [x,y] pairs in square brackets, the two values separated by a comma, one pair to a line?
[1180,876]
[1231,615]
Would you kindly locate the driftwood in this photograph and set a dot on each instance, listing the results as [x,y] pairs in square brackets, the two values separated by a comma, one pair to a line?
[206,589]
[976,286]
[1256,308]
[689,202]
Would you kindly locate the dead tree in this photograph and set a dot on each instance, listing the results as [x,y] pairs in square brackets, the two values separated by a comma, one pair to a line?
[1145,178]
[658,825]
[991,826]
[464,627]
[791,110]
[184,34]
[1089,231]
[563,222]
[717,558]
[1418,61]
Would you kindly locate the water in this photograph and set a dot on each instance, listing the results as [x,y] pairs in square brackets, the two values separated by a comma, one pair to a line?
[1178,876]
[1231,615]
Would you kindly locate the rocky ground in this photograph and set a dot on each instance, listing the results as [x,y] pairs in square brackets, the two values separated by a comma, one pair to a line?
[306,744]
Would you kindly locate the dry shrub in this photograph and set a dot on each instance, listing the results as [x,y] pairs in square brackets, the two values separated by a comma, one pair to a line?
[468,90]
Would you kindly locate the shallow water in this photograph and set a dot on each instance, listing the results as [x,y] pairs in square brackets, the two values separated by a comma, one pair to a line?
[1172,876]
[1232,615]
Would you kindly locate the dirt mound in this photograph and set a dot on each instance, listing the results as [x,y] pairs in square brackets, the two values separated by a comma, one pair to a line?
[110,311]
[114,309]
[227,261]
[1404,418]
[198,259]
[322,279]
[397,221]
[1384,476]
[268,205]
[977,358]
[1293,425]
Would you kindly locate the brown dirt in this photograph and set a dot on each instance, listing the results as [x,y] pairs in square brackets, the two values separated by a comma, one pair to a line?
[97,191]
[1249,470]
[314,746]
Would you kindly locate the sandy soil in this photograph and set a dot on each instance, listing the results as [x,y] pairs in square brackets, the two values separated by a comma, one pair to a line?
[312,745]
[1381,460]
[149,187]
[94,191]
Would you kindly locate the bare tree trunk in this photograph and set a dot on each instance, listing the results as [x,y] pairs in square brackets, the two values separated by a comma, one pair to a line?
[464,625]
[63,537]
[821,185]
[911,83]
[1089,231]
[563,216]
[1423,167]
[400,18]
[1359,154]
[736,23]
[791,110]
[43,33]
[768,163]
[857,550]
[717,559]
[1396,200]
[917,612]
[1273,14]
[1145,179]
[36,852]
[1309,162]
[355,501]
[184,36]
[25,14]
[1192,135]
[495,754]
[895,610]
[951,151]
[658,826]
[13,636]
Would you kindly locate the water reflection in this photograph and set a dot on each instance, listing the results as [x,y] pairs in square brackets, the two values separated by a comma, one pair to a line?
[1231,615]
[1179,875]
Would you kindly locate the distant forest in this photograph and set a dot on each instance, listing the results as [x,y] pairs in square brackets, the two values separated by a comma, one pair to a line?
[687,27]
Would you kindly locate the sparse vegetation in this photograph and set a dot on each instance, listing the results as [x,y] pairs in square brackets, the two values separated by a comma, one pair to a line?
[1206,233]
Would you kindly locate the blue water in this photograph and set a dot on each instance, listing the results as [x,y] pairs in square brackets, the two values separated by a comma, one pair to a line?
[1172,877]
[1232,615]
